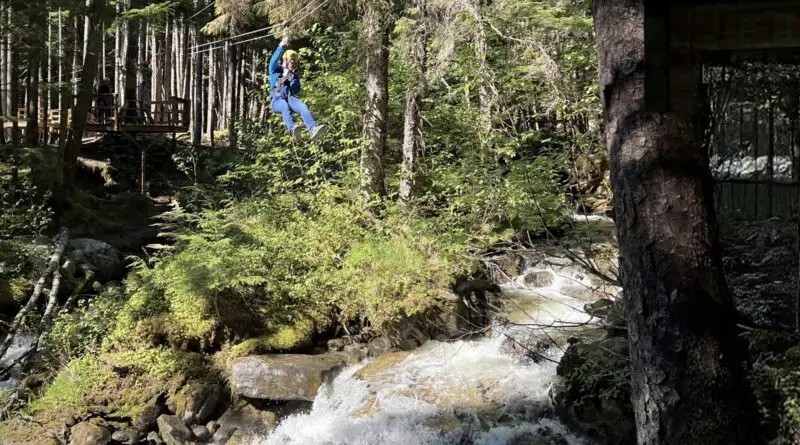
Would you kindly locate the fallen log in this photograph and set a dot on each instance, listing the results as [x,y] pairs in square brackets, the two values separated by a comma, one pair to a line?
[52,266]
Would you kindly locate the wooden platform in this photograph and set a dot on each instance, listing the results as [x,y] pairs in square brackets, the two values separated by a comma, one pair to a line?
[169,116]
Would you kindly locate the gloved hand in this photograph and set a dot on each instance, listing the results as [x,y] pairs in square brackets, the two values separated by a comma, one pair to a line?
[288,75]
[284,41]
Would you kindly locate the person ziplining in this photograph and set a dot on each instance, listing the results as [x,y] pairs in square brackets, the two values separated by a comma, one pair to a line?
[284,85]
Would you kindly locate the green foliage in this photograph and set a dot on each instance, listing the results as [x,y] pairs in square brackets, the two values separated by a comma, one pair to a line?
[261,265]
[776,383]
[596,370]
[70,389]
[84,329]
[25,207]
[139,374]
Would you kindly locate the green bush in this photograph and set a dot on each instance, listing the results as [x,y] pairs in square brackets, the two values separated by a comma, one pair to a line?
[260,265]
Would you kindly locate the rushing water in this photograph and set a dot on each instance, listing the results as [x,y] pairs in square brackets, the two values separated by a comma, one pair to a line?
[20,345]
[461,392]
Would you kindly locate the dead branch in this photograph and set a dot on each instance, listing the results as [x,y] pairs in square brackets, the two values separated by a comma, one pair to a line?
[53,265]
[48,312]
[102,168]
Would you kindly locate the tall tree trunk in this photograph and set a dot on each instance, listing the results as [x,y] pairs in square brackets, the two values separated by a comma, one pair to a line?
[11,106]
[3,72]
[84,99]
[76,57]
[14,84]
[32,111]
[485,76]
[686,358]
[104,53]
[376,37]
[131,68]
[412,132]
[167,80]
[197,82]
[119,59]
[49,70]
[212,95]
[231,91]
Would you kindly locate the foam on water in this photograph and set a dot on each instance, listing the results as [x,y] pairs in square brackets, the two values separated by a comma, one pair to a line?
[21,344]
[461,392]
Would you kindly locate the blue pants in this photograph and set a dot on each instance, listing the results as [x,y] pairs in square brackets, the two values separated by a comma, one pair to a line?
[286,106]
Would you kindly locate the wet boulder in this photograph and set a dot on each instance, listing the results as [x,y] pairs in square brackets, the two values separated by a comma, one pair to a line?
[96,255]
[86,433]
[173,431]
[242,418]
[539,278]
[283,377]
[196,401]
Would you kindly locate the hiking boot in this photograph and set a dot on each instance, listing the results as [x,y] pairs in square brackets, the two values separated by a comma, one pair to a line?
[296,132]
[316,131]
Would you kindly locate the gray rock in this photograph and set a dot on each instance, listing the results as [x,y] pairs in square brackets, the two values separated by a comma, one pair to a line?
[201,432]
[126,436]
[244,418]
[145,420]
[598,308]
[197,401]
[96,255]
[454,317]
[558,261]
[86,433]
[212,426]
[68,268]
[354,353]
[379,345]
[282,376]
[338,344]
[539,278]
[88,246]
[154,438]
[172,430]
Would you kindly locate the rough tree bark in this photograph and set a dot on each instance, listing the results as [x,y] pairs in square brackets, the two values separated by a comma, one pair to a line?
[688,379]
[32,107]
[231,91]
[412,137]
[84,99]
[376,37]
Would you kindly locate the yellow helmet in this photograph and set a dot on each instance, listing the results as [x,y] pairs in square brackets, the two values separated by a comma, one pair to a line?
[291,55]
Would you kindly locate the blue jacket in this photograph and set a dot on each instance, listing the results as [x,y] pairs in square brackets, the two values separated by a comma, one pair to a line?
[276,71]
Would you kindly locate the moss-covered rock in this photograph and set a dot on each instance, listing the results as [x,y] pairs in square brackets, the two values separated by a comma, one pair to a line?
[240,420]
[173,431]
[86,433]
[282,377]
[196,401]
[595,396]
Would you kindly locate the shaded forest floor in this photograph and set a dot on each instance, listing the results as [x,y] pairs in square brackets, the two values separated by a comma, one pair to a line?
[760,260]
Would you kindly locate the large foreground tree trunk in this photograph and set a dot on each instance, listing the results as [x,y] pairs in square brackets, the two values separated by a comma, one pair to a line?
[376,37]
[688,377]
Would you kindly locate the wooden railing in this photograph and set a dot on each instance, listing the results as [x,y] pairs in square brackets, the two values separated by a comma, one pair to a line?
[172,114]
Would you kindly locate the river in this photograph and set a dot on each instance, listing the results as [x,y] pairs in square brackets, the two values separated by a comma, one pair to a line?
[466,392]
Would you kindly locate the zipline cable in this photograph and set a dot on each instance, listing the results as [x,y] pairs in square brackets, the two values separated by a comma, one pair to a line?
[298,20]
[266,28]
[201,11]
